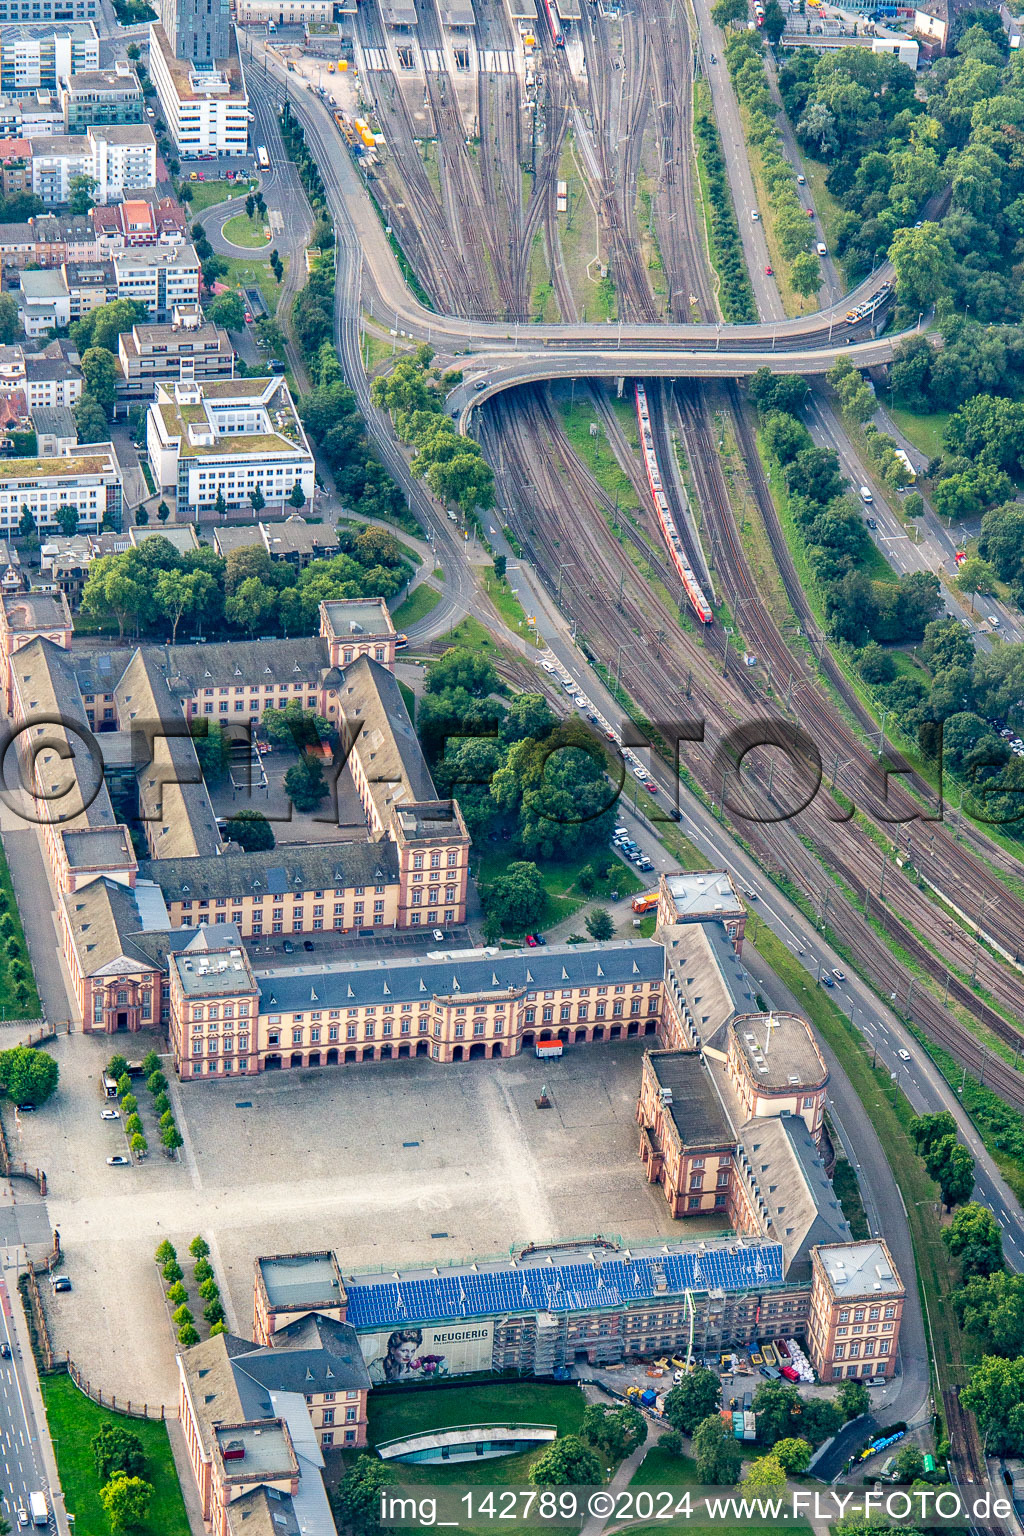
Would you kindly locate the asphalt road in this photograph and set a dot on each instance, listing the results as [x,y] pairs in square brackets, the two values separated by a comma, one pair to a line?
[19,1435]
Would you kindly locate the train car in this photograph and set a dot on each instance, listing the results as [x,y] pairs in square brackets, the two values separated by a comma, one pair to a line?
[691,586]
[554,25]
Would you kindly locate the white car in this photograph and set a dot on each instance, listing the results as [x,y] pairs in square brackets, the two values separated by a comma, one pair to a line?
[548,666]
[110,1114]
[903,1055]
[438,935]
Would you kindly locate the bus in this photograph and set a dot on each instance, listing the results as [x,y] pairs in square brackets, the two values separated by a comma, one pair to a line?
[262,158]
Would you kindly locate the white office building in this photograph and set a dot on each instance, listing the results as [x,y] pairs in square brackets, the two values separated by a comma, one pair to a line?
[204,102]
[163,279]
[89,478]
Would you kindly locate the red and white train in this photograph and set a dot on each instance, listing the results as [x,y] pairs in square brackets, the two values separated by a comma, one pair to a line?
[691,586]
[557,35]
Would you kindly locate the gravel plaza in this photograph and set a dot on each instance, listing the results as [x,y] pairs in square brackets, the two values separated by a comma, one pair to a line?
[388,1163]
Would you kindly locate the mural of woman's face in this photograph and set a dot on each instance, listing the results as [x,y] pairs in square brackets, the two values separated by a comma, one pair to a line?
[404,1354]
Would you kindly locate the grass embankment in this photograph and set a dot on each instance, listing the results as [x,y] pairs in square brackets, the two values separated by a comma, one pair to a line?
[543,304]
[510,609]
[890,1113]
[596,452]
[249,233]
[421,601]
[14,952]
[847,1188]
[74,1419]
[924,431]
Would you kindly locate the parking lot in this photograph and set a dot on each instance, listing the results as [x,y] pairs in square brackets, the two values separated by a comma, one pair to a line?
[388,1163]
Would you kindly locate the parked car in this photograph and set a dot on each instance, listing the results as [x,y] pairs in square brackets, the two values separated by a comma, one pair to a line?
[110,1114]
[308,946]
[438,935]
[61,1282]
[531,941]
[288,947]
[119,1161]
[768,271]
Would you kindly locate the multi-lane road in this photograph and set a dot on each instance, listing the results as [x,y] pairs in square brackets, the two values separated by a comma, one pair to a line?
[20,1451]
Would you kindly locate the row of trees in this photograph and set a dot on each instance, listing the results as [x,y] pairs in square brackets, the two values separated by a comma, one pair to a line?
[453,466]
[330,414]
[974,359]
[889,150]
[17,967]
[152,588]
[120,1462]
[858,608]
[744,55]
[947,1160]
[735,295]
[166,1257]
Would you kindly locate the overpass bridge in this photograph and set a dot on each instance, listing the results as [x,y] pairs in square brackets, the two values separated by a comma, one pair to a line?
[497,355]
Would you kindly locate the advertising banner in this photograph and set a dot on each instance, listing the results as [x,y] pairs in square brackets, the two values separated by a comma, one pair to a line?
[419,1354]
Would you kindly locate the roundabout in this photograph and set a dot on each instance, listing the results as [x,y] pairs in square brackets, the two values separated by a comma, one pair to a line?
[245,234]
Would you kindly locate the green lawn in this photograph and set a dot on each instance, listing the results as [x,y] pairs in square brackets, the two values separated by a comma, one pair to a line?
[74,1419]
[409,697]
[402,1413]
[663,1469]
[559,877]
[206,193]
[11,1008]
[511,609]
[925,432]
[242,273]
[421,601]
[241,230]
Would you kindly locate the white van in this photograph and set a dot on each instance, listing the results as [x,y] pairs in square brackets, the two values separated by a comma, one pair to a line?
[865,495]
[822,248]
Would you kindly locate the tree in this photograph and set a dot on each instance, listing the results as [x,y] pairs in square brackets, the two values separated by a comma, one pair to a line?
[298,495]
[251,604]
[214,1311]
[975,1238]
[923,260]
[10,319]
[909,1463]
[90,419]
[228,311]
[852,1399]
[616,1432]
[764,1474]
[83,195]
[295,727]
[517,897]
[991,1308]
[171,1138]
[26,523]
[805,268]
[257,499]
[976,576]
[250,206]
[178,593]
[188,1335]
[599,924]
[166,1252]
[468,670]
[952,1167]
[163,511]
[776,1404]
[99,373]
[500,562]
[141,517]
[156,1082]
[725,11]
[176,1294]
[995,1395]
[132,1125]
[199,1248]
[691,1400]
[566,1461]
[819,1420]
[133,51]
[305,783]
[27,1076]
[355,1502]
[139,1144]
[251,830]
[794,1454]
[126,1501]
[927,1130]
[716,1452]
[116,1449]
[774,22]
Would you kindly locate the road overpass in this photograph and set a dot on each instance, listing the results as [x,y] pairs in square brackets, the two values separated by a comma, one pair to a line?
[497,355]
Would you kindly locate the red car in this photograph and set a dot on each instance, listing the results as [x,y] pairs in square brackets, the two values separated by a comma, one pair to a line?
[650,786]
[768,272]
[531,941]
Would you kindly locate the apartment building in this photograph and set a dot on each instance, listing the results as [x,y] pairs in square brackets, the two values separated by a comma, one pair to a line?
[187,348]
[26,117]
[102,96]
[44,303]
[291,542]
[120,159]
[215,442]
[38,54]
[140,220]
[89,285]
[161,279]
[856,1309]
[195,32]
[203,99]
[15,166]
